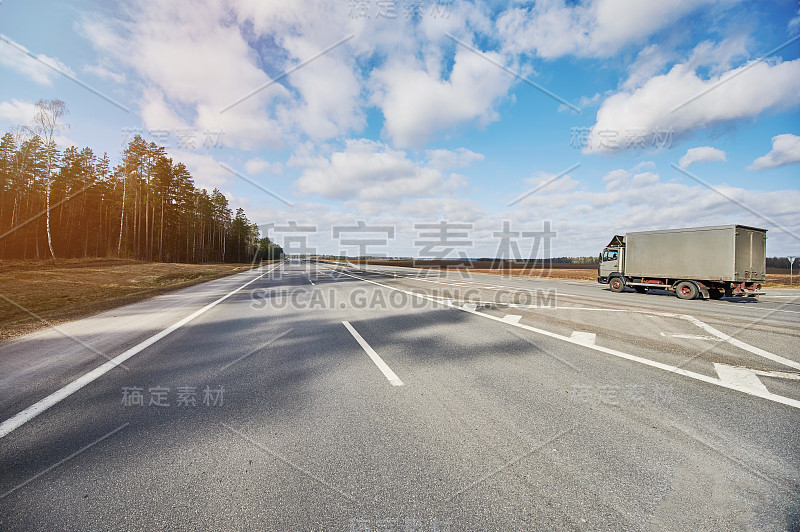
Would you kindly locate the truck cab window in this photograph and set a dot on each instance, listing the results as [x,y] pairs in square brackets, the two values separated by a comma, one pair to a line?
[610,255]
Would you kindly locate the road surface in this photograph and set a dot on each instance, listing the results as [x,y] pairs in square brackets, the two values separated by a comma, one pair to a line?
[324,397]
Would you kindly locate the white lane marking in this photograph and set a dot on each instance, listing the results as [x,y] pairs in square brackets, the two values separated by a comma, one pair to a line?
[740,376]
[470,307]
[738,343]
[386,370]
[690,336]
[584,338]
[512,318]
[778,374]
[613,352]
[567,294]
[718,335]
[54,398]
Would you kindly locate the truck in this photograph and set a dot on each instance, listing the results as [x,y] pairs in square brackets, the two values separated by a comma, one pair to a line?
[696,262]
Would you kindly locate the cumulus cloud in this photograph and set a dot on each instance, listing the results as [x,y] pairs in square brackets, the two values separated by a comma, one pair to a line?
[418,102]
[370,171]
[552,29]
[206,171]
[17,112]
[637,199]
[257,165]
[667,102]
[103,73]
[785,151]
[700,155]
[190,59]
[450,159]
[15,56]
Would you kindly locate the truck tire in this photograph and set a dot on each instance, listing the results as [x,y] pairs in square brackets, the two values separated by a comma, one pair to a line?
[617,284]
[687,290]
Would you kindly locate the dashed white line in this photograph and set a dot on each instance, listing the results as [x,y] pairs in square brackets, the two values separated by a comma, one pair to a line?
[794,403]
[385,369]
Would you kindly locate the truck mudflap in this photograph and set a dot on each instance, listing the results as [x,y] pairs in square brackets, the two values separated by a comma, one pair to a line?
[747,290]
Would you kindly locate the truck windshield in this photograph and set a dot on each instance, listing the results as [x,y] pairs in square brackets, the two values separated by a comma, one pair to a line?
[610,254]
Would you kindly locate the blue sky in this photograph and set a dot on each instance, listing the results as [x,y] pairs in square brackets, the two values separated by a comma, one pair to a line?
[450,114]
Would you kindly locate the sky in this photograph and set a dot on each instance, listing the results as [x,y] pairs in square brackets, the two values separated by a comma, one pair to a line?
[431,128]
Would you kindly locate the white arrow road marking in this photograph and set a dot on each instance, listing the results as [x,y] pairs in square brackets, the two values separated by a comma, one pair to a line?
[794,403]
[585,338]
[738,343]
[743,377]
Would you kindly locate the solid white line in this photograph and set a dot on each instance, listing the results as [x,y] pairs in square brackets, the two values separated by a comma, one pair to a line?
[512,318]
[738,343]
[386,370]
[54,398]
[794,403]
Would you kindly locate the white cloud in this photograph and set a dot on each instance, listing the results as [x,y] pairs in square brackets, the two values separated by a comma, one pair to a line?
[633,201]
[418,102]
[650,61]
[743,92]
[17,112]
[12,56]
[205,169]
[257,165]
[191,58]
[700,155]
[785,151]
[103,73]
[157,114]
[449,159]
[369,171]
[600,28]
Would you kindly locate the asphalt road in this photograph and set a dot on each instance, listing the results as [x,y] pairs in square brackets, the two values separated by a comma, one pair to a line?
[319,397]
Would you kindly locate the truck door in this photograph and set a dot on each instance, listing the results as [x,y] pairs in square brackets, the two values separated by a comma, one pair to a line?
[610,262]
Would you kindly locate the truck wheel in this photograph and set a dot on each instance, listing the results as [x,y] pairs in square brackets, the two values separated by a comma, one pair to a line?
[616,284]
[640,289]
[687,290]
[714,293]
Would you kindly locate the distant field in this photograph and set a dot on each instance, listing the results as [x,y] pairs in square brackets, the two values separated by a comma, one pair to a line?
[585,272]
[70,289]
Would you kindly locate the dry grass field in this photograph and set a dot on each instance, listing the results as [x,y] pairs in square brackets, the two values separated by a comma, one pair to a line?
[34,293]
[583,272]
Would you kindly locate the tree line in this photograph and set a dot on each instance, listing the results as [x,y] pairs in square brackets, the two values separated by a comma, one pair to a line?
[74,204]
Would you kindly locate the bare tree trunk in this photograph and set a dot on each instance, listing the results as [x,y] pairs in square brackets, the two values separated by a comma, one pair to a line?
[47,195]
[121,219]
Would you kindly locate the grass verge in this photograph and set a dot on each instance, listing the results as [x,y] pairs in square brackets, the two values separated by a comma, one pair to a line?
[45,293]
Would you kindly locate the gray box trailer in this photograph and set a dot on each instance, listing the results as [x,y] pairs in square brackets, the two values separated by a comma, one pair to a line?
[711,262]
